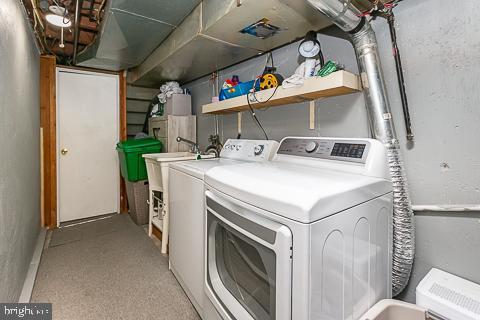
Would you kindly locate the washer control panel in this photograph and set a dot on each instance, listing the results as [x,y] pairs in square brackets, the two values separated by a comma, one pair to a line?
[249,150]
[326,148]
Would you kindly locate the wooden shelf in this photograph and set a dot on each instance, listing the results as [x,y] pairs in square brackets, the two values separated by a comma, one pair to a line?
[336,84]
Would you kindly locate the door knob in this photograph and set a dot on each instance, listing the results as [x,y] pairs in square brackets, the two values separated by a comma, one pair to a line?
[64,151]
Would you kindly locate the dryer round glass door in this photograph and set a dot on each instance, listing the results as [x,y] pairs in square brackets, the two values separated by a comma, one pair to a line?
[246,268]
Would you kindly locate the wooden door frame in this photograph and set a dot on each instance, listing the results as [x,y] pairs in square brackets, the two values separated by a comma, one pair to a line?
[48,124]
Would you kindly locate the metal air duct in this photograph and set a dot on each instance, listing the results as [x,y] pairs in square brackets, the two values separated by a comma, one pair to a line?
[131,30]
[220,33]
[348,18]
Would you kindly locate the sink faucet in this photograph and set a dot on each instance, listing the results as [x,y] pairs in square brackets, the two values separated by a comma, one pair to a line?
[193,145]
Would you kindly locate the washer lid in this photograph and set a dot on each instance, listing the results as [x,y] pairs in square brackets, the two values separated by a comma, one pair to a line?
[197,168]
[296,192]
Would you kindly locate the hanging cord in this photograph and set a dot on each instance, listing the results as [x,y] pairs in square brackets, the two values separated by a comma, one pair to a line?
[269,57]
[254,116]
[252,112]
[66,19]
[249,100]
[321,59]
[255,96]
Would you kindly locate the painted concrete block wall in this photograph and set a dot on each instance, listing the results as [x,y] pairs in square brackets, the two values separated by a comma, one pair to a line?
[440,51]
[19,149]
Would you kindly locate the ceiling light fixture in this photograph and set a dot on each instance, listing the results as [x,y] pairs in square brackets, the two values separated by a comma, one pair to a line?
[61,11]
[59,21]
[59,18]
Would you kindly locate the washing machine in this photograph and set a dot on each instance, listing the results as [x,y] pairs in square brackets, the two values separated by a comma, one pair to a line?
[187,214]
[306,236]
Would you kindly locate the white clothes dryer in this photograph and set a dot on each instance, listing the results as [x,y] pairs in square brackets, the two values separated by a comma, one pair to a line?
[306,236]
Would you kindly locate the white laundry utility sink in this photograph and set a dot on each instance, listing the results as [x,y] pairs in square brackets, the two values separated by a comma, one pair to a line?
[157,171]
[157,165]
[173,156]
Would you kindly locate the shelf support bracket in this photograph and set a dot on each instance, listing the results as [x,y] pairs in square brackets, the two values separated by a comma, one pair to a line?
[312,115]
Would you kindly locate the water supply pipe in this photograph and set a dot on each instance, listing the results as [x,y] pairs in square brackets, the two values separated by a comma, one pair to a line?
[346,16]
[400,77]
[76,32]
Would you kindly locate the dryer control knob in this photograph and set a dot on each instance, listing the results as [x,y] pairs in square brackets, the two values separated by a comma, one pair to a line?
[311,146]
[258,149]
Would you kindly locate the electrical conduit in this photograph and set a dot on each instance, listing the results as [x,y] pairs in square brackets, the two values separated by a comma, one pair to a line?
[349,19]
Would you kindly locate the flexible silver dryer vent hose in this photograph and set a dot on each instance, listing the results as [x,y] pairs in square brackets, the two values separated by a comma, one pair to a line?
[403,226]
[348,18]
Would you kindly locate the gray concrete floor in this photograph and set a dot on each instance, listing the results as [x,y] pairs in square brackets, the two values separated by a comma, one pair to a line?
[108,269]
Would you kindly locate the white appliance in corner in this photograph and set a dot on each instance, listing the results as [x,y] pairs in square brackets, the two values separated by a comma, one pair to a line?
[449,296]
[305,236]
[187,214]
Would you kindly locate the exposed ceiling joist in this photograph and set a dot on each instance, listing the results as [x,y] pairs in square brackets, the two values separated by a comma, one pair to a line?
[91,14]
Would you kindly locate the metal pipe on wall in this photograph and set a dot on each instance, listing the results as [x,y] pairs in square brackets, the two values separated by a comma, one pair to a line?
[36,16]
[349,18]
[36,20]
[400,77]
[446,208]
[78,8]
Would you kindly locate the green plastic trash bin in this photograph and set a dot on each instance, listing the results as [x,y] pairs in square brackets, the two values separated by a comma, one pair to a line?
[132,164]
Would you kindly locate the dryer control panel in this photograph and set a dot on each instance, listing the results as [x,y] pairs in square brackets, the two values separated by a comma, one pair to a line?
[249,150]
[351,150]
[355,155]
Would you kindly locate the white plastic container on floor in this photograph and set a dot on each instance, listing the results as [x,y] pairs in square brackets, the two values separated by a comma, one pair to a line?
[390,309]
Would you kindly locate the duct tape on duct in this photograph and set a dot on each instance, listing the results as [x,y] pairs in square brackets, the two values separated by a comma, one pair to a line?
[261,29]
